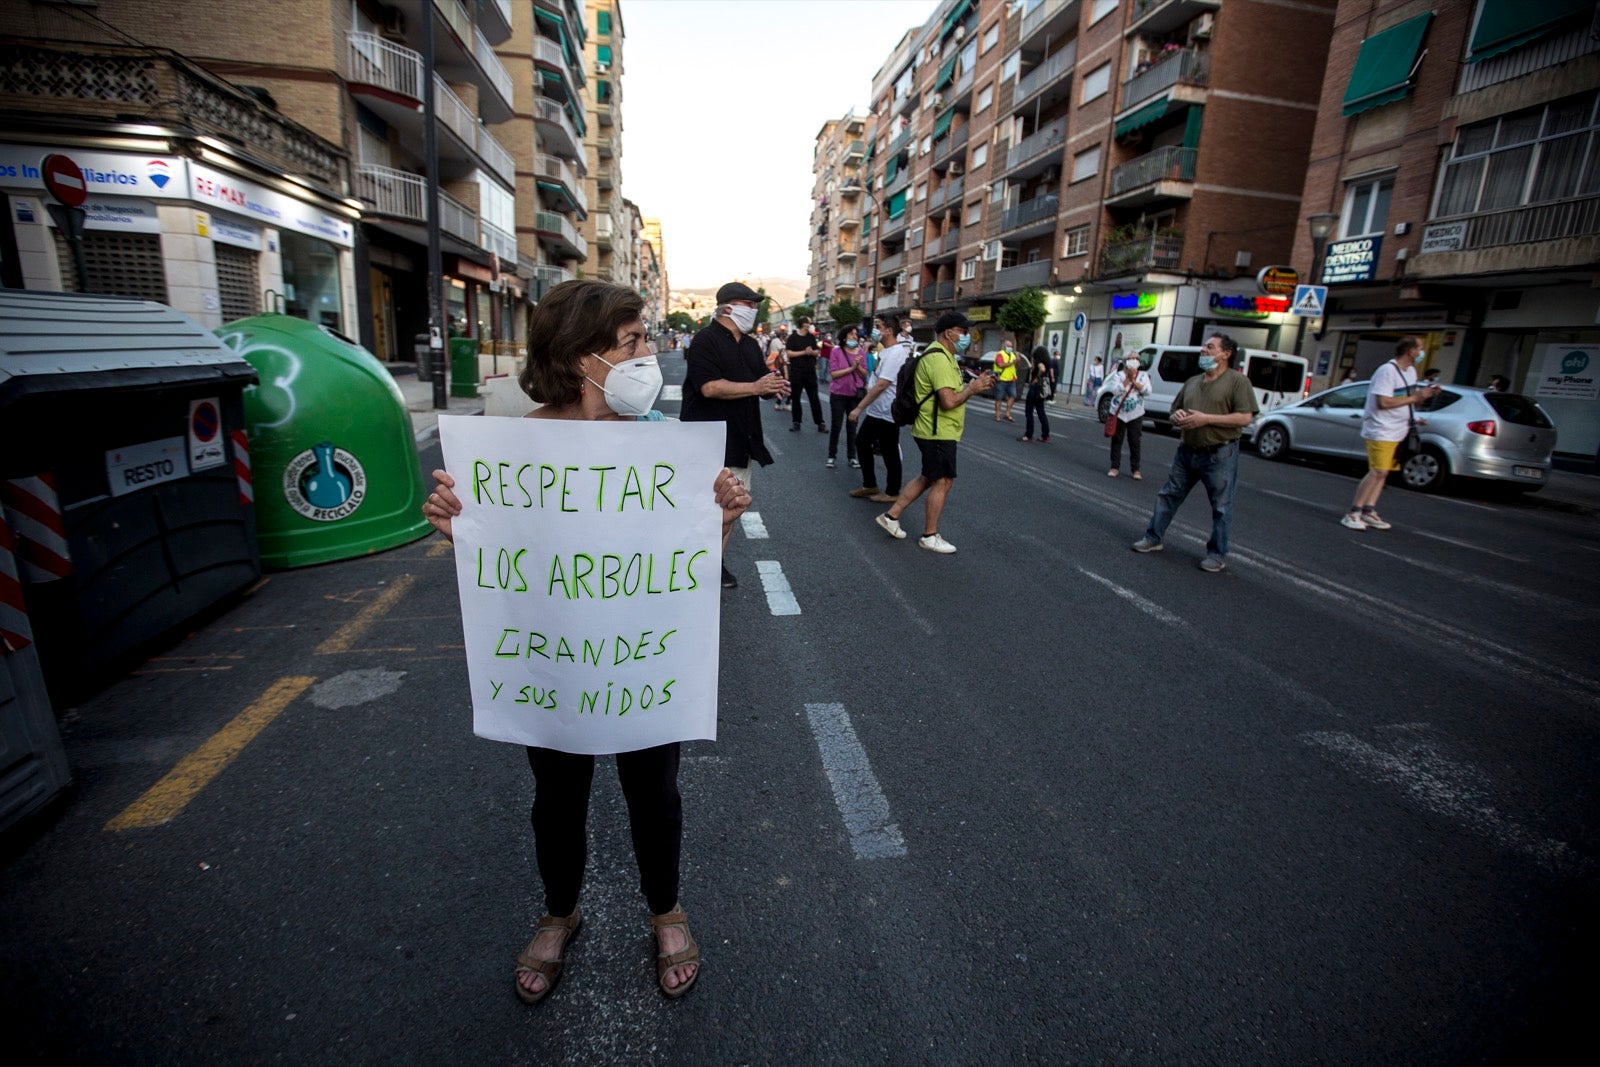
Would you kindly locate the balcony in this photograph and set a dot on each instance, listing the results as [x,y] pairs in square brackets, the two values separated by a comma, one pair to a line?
[947,194]
[606,147]
[891,264]
[554,171]
[1054,16]
[556,128]
[962,87]
[496,14]
[955,142]
[901,180]
[847,253]
[495,156]
[844,280]
[892,228]
[546,278]
[549,55]
[604,179]
[1155,17]
[1050,75]
[899,142]
[938,292]
[848,223]
[1185,66]
[401,195]
[1031,217]
[1022,276]
[1137,255]
[1037,151]
[855,151]
[602,233]
[377,67]
[501,242]
[1166,173]
[892,301]
[558,235]
[851,187]
[494,71]
[1560,220]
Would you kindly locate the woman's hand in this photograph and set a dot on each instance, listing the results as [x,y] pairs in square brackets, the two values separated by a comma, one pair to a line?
[732,497]
[441,505]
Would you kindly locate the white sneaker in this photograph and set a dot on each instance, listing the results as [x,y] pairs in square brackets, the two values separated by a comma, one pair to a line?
[935,543]
[891,526]
[1371,521]
[830,463]
[1352,522]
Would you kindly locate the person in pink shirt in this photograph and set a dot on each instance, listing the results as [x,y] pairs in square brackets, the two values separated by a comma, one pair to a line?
[847,374]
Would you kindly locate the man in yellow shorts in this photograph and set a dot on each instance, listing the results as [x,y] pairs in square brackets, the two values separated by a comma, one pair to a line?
[1385,423]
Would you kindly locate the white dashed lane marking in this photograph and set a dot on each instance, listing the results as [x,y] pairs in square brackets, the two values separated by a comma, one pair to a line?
[754,528]
[780,598]
[873,834]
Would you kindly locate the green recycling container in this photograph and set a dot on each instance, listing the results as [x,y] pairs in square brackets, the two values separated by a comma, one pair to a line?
[333,455]
[463,366]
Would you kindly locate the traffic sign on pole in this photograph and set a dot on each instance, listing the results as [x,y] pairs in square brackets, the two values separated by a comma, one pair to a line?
[64,180]
[1309,300]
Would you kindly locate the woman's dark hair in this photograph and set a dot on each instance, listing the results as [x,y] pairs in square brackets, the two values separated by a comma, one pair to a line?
[849,330]
[575,319]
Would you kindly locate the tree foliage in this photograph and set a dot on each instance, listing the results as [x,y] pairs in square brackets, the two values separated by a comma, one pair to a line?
[680,320]
[1023,314]
[764,306]
[844,313]
[802,311]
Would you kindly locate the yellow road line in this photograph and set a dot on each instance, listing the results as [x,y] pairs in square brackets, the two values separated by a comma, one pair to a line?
[348,634]
[165,800]
[441,547]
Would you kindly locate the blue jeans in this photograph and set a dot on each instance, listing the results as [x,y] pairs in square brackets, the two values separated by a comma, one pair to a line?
[1218,471]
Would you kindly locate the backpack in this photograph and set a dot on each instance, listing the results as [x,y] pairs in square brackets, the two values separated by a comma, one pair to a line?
[905,407]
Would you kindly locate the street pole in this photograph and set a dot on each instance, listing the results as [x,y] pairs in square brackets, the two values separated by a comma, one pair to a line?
[430,151]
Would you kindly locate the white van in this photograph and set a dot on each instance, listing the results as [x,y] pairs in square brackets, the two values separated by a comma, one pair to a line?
[1277,377]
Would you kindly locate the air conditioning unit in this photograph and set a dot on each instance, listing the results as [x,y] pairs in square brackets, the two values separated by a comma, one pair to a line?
[1203,25]
[938,100]
[394,24]
[961,31]
[956,170]
[602,68]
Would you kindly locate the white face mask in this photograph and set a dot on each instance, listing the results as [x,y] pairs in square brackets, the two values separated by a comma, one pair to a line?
[632,386]
[742,317]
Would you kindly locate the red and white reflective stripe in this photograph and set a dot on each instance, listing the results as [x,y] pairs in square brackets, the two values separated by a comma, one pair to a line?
[241,467]
[34,513]
[16,632]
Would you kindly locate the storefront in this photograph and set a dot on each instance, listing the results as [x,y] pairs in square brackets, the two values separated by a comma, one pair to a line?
[205,233]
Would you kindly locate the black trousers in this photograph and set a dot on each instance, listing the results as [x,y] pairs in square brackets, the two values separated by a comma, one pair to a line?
[1133,430]
[838,408]
[1035,403]
[803,379]
[649,780]
[882,438]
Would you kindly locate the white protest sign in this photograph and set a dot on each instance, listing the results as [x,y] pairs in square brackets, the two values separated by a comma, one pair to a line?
[588,560]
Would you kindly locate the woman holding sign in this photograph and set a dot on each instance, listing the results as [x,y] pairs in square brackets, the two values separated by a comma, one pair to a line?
[589,360]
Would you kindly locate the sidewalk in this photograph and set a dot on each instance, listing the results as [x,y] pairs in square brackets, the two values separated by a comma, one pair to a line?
[419,402]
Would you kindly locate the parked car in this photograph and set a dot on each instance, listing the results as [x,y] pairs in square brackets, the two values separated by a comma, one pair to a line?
[1276,377]
[1466,433]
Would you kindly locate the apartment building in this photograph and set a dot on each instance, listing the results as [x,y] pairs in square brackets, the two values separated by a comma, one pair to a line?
[658,249]
[352,72]
[1139,161]
[606,228]
[546,52]
[1456,165]
[838,196]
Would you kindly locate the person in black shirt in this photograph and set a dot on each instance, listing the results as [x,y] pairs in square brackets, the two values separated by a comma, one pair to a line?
[803,351]
[726,378]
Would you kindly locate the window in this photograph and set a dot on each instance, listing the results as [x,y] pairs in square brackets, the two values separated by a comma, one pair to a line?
[991,250]
[1101,9]
[922,191]
[969,56]
[980,155]
[1009,69]
[1366,207]
[1077,242]
[602,23]
[997,193]
[1086,164]
[927,144]
[1530,157]
[991,37]
[1096,83]
[602,52]
[985,97]
[974,212]
[602,91]
[969,269]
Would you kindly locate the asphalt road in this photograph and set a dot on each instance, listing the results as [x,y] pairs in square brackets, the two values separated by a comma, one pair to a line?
[1044,800]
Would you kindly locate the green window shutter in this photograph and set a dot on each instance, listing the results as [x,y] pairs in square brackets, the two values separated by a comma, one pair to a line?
[1143,117]
[955,18]
[1385,65]
[946,72]
[1506,24]
[602,23]
[866,224]
[897,204]
[941,125]
[603,53]
[1191,127]
[603,91]
[891,169]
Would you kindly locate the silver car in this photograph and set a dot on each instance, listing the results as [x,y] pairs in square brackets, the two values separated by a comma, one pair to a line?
[1466,433]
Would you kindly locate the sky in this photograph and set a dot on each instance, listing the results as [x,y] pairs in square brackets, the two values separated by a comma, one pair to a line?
[721,104]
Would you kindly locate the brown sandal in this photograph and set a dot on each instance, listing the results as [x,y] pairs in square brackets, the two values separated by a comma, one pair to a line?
[665,961]
[528,963]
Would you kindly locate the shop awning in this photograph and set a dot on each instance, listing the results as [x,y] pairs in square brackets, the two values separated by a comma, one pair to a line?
[946,72]
[1385,66]
[956,15]
[1143,117]
[941,125]
[1506,24]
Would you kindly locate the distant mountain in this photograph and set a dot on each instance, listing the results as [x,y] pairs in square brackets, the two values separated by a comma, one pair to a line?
[786,291]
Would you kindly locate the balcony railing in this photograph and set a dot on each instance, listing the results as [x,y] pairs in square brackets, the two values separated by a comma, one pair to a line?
[493,69]
[899,142]
[963,83]
[556,169]
[1041,14]
[855,148]
[495,155]
[458,219]
[890,264]
[937,292]
[546,277]
[844,280]
[1523,225]
[401,194]
[1154,17]
[1042,207]
[1022,276]
[1031,147]
[892,227]
[955,141]
[1146,252]
[550,222]
[552,113]
[454,113]
[455,13]
[901,180]
[501,242]
[1170,164]
[1185,66]
[376,61]
[602,231]
[1046,73]
[892,301]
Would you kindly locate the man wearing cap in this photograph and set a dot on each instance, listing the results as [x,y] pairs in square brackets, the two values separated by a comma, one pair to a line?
[941,415]
[1210,410]
[803,351]
[726,378]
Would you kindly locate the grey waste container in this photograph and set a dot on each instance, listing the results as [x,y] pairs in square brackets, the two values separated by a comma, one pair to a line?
[124,475]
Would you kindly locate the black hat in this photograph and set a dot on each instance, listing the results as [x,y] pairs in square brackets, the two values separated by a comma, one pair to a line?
[951,320]
[737,291]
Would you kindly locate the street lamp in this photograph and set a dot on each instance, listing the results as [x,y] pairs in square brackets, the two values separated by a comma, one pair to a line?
[1321,227]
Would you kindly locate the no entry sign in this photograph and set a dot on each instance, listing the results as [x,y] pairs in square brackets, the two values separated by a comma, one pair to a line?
[64,180]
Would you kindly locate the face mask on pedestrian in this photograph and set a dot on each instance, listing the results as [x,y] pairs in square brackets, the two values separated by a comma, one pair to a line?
[1208,363]
[877,334]
[851,342]
[742,317]
[632,386]
[962,343]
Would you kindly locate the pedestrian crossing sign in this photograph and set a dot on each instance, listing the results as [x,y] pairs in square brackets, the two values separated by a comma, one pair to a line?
[1309,300]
